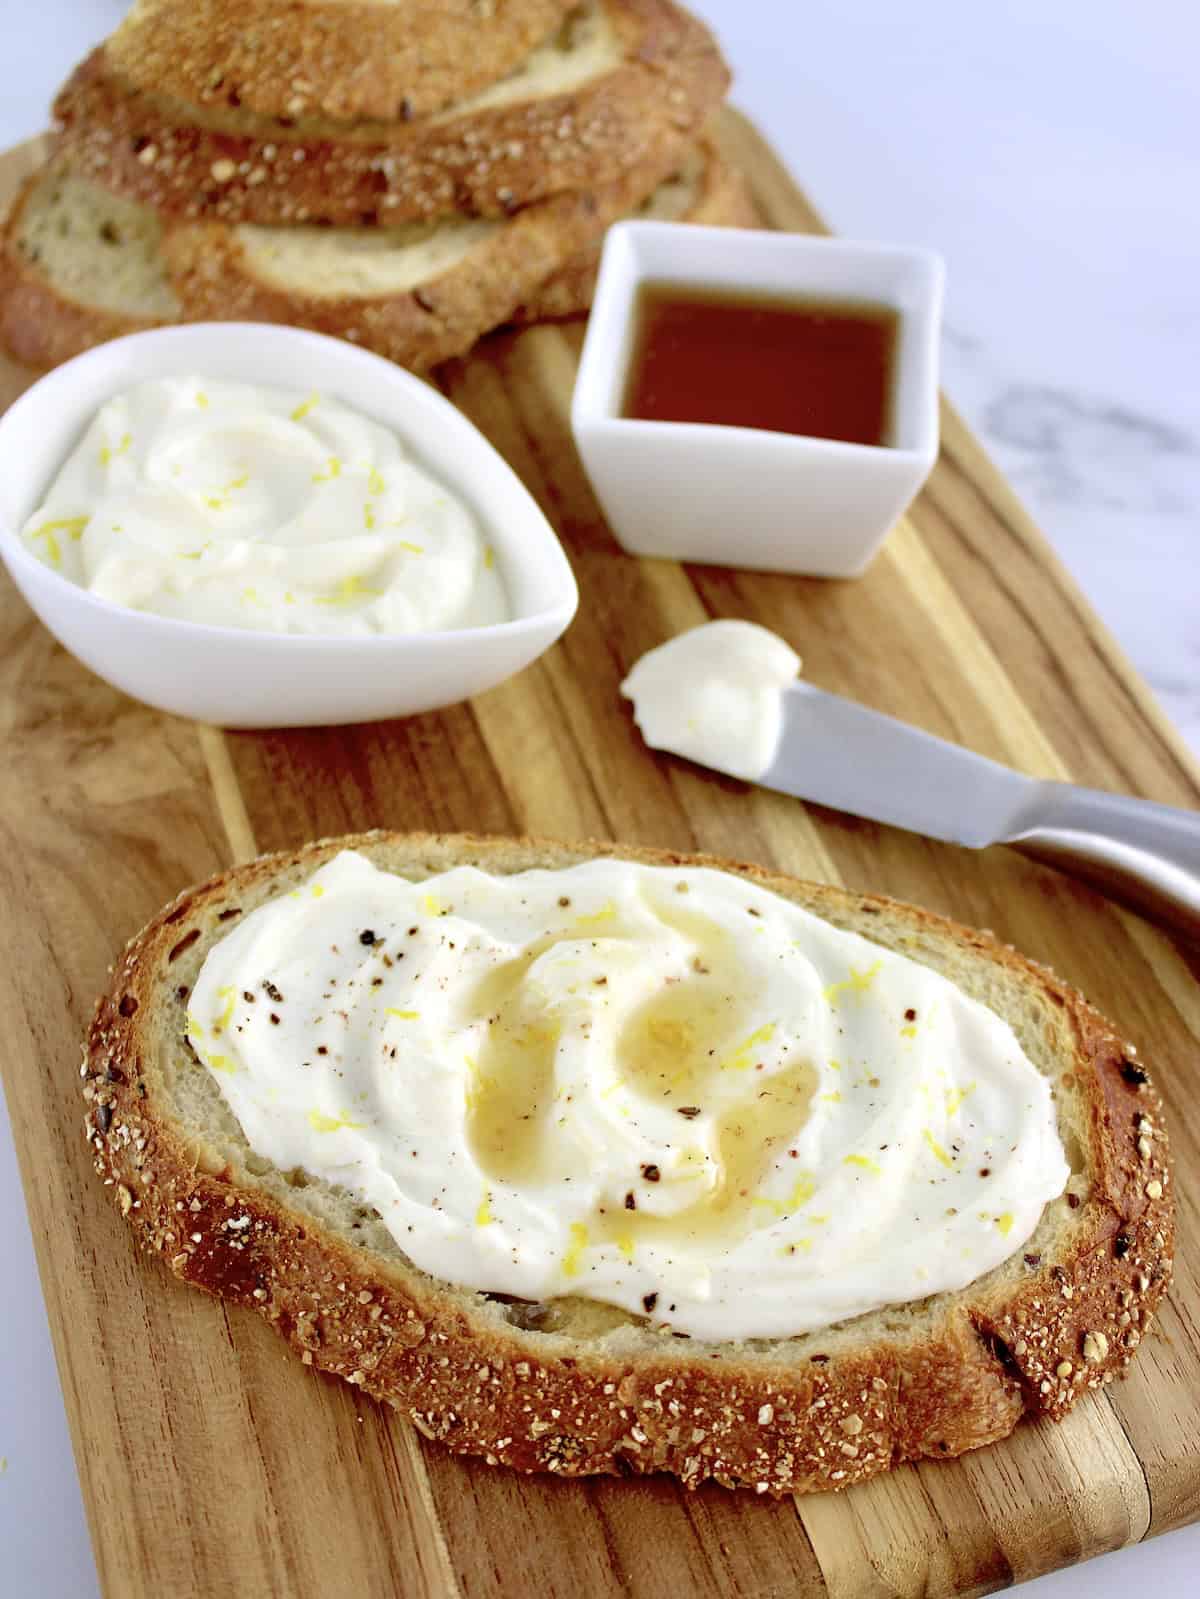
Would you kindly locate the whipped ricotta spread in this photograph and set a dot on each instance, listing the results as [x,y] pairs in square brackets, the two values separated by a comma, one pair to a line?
[670,1090]
[266,509]
[715,695]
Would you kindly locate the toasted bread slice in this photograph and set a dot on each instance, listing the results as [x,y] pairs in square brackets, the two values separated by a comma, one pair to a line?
[704,190]
[418,293]
[341,59]
[620,83]
[574,1387]
[78,266]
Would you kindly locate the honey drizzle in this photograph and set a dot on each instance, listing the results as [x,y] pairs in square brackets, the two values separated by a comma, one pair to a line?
[688,1045]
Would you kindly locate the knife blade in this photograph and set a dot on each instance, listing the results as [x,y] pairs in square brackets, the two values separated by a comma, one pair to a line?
[833,751]
[836,752]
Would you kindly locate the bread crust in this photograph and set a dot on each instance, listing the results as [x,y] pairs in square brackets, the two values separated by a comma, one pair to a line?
[722,201]
[341,59]
[214,273]
[215,278]
[39,326]
[488,161]
[752,1415]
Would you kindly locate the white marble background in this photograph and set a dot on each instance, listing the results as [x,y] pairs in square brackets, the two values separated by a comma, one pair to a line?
[1051,150]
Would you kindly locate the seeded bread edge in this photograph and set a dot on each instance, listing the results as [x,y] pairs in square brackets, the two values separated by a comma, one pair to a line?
[345,60]
[488,162]
[215,273]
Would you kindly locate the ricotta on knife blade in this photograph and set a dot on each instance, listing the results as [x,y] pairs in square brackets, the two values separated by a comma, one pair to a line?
[715,695]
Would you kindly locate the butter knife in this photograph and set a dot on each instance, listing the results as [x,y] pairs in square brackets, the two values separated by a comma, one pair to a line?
[836,752]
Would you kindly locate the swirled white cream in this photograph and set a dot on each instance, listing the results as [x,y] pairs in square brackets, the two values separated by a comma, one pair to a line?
[670,1090]
[715,695]
[260,508]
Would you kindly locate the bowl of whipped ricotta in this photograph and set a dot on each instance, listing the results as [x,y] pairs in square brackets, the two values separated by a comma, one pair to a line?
[257,526]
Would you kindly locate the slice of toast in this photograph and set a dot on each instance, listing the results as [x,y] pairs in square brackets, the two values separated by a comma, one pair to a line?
[621,82]
[419,292]
[340,59]
[704,190]
[79,265]
[574,1387]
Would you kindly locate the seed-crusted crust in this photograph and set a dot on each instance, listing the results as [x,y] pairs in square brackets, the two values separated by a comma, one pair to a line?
[39,326]
[341,59]
[217,275]
[488,161]
[754,1415]
[722,200]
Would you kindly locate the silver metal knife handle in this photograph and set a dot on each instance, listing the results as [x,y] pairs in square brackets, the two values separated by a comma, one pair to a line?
[1143,854]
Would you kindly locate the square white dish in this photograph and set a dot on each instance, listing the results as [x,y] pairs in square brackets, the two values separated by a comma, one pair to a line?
[746,497]
[247,679]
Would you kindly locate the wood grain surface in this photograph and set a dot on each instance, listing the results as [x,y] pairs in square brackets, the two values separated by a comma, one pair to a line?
[212,1463]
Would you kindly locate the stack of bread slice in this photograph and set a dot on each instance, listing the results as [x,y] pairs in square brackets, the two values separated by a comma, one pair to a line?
[406,174]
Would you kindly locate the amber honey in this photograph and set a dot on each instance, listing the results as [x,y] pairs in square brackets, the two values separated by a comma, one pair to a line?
[823,368]
[674,1049]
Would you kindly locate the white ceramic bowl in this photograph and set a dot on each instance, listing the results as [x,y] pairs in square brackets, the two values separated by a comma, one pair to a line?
[244,679]
[745,497]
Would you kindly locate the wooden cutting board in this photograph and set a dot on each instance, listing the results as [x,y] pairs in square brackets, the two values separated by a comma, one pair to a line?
[212,1462]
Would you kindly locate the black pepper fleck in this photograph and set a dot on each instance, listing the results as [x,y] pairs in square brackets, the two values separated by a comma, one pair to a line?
[649,1302]
[651,1173]
[366,936]
[1121,1245]
[630,1201]
[1133,1075]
